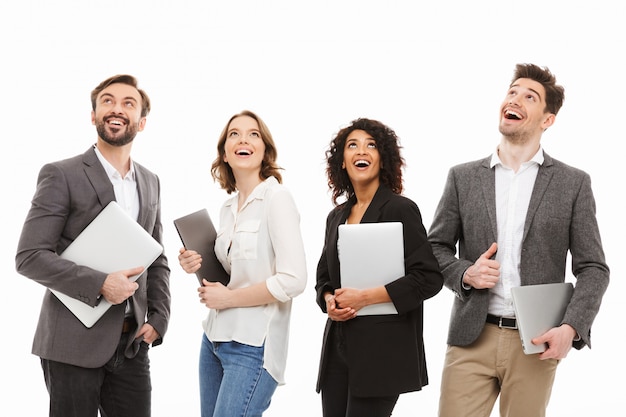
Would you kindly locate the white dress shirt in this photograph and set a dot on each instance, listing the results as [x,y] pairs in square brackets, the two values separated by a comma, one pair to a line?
[125,188]
[261,242]
[513,191]
[126,193]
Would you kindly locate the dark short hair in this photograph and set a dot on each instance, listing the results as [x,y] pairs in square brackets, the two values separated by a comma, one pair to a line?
[388,146]
[223,173]
[122,79]
[555,94]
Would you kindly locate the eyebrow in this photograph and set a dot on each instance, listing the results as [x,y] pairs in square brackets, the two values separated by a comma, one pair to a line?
[237,129]
[528,88]
[367,139]
[125,98]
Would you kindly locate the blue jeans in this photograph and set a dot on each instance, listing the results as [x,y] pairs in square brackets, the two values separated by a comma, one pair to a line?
[233,382]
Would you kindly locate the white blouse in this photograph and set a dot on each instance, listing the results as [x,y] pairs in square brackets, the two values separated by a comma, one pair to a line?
[261,242]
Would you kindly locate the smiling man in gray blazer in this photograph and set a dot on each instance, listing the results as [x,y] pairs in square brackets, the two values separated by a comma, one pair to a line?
[106,367]
[515,216]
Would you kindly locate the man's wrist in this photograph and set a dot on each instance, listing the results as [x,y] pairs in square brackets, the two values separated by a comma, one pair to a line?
[465,286]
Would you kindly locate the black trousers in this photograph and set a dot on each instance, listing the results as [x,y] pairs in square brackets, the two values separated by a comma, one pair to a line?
[121,388]
[337,401]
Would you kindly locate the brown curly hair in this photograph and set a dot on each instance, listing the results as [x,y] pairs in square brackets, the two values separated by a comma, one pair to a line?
[388,146]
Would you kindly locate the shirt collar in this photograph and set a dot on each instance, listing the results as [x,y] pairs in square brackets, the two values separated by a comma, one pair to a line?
[258,192]
[537,158]
[110,170]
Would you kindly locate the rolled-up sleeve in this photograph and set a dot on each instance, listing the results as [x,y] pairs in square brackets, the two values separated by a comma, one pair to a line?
[286,238]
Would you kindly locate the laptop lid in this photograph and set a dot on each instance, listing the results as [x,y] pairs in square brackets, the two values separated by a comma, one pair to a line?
[112,242]
[197,233]
[371,255]
[538,308]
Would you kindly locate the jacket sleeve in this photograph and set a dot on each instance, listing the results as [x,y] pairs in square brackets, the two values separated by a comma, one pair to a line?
[47,231]
[444,233]
[423,278]
[323,282]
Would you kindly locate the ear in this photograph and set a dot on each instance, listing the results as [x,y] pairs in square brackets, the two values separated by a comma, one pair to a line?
[93,117]
[343,165]
[548,121]
[141,124]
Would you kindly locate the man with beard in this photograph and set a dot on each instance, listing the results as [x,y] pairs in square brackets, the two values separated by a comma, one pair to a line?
[515,216]
[104,368]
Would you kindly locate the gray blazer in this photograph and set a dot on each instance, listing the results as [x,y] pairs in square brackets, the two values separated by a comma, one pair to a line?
[69,195]
[561,217]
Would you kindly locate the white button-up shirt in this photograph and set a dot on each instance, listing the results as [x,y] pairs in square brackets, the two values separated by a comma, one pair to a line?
[261,242]
[513,191]
[126,193]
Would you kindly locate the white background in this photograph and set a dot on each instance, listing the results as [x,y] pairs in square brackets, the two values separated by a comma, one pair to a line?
[434,71]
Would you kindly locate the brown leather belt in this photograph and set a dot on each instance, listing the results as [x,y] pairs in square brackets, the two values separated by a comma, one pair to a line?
[129,325]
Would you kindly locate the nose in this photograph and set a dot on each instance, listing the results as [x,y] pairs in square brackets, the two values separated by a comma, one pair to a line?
[117,108]
[513,100]
[361,148]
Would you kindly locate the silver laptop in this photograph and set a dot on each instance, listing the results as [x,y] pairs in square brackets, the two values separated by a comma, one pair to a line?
[538,308]
[371,255]
[197,233]
[113,241]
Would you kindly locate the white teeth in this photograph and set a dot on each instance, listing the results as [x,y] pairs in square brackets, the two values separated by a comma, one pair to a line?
[243,152]
[116,122]
[362,163]
[512,113]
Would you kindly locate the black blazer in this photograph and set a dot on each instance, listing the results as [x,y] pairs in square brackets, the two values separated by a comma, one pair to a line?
[385,352]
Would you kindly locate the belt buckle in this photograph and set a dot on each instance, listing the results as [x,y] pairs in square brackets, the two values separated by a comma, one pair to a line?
[502,324]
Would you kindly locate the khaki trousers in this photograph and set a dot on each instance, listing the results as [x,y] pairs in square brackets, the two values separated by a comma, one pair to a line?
[495,364]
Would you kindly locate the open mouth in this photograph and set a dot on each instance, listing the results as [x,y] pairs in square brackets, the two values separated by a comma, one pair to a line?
[512,115]
[116,121]
[243,152]
[361,163]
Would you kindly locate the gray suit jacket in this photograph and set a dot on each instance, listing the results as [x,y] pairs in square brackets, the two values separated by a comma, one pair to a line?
[69,195]
[561,217]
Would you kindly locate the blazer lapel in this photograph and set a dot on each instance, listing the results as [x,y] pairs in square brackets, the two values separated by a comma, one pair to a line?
[544,176]
[98,178]
[372,214]
[145,196]
[487,179]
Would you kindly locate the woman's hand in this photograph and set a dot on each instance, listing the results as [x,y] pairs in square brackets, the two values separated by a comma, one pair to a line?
[215,295]
[337,313]
[351,297]
[189,260]
[352,300]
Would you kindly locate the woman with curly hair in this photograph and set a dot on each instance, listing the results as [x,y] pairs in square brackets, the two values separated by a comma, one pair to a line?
[367,361]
